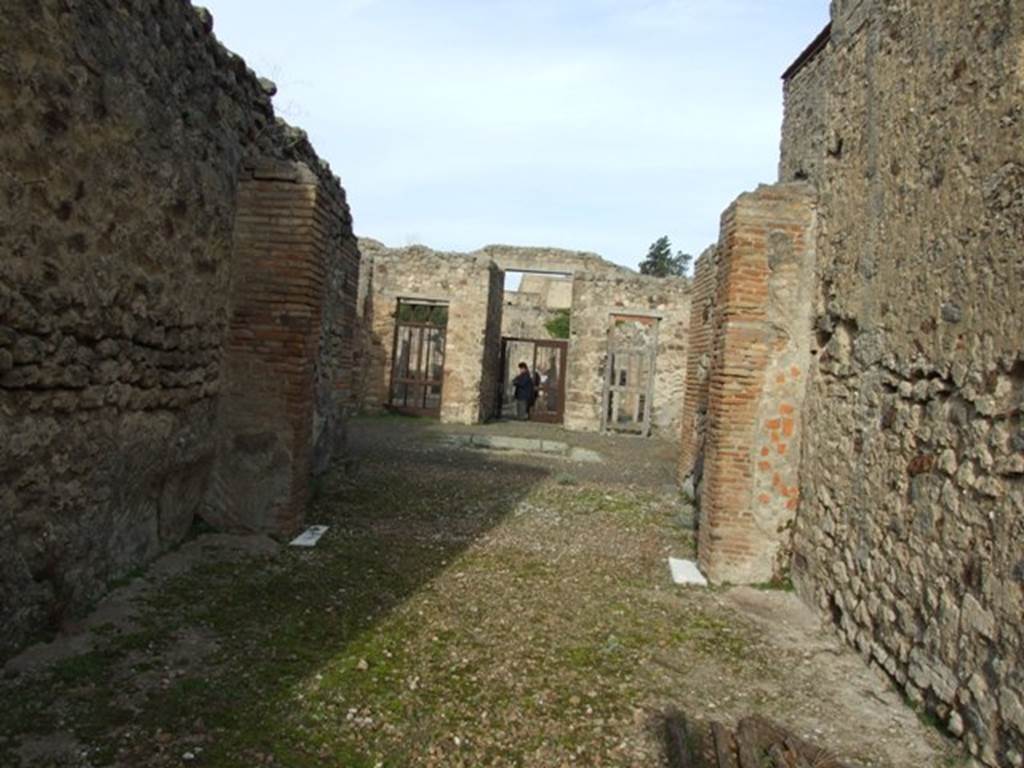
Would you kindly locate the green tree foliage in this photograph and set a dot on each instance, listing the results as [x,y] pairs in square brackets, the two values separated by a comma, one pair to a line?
[558,325]
[660,262]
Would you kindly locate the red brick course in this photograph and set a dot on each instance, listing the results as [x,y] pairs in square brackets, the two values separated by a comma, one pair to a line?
[746,339]
[282,247]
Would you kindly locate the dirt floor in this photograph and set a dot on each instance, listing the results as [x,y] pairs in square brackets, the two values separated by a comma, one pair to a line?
[465,608]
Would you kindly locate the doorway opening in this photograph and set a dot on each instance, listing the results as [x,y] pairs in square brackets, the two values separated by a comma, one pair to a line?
[546,361]
[417,363]
[629,374]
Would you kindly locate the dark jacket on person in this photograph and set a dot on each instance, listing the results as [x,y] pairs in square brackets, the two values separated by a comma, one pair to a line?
[523,384]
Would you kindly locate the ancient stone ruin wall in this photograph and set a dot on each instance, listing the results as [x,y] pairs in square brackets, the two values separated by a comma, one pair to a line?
[805,84]
[911,529]
[491,375]
[512,258]
[758,369]
[555,291]
[125,131]
[472,286]
[594,299]
[524,315]
[700,345]
[336,382]
[538,300]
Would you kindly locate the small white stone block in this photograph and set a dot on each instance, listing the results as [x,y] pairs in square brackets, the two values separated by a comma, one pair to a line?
[309,537]
[686,572]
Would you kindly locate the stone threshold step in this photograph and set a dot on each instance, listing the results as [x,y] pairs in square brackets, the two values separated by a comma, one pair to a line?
[553,448]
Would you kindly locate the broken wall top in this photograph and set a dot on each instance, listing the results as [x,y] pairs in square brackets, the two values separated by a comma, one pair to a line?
[511,258]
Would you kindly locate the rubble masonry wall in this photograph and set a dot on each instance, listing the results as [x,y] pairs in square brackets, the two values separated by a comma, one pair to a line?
[472,285]
[594,299]
[124,133]
[804,135]
[700,346]
[911,527]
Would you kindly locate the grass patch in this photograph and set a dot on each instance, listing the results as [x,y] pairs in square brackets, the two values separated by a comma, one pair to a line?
[778,584]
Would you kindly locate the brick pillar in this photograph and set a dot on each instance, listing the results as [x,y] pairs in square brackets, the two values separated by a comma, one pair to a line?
[760,357]
[698,359]
[265,419]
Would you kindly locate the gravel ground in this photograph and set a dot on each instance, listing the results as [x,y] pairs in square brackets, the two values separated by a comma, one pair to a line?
[466,608]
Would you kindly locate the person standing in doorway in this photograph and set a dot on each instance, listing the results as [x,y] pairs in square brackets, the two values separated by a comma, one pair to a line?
[523,385]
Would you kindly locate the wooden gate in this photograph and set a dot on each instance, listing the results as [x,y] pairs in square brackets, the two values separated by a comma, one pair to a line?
[546,360]
[417,361]
[629,374]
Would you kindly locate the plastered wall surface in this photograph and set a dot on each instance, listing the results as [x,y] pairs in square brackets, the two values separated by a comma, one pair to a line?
[124,132]
[911,526]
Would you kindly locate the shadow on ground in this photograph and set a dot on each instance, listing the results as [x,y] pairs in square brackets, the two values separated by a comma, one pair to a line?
[258,627]
[466,608]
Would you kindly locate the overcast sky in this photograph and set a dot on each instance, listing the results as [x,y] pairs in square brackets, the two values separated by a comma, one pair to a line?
[594,125]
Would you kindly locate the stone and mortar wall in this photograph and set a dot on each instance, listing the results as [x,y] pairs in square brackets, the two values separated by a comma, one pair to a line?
[700,345]
[802,155]
[124,131]
[471,285]
[594,299]
[911,527]
[537,301]
[555,291]
[524,315]
[759,356]
[513,258]
[491,375]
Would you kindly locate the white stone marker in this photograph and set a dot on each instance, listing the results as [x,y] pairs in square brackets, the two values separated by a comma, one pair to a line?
[309,537]
[686,572]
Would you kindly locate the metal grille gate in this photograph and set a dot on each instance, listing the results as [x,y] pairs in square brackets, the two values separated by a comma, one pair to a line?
[417,363]
[628,396]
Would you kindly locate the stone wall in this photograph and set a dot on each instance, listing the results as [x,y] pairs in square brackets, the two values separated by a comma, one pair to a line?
[555,291]
[594,299]
[758,355]
[804,135]
[911,528]
[491,375]
[466,282]
[513,258]
[524,315]
[700,345]
[125,129]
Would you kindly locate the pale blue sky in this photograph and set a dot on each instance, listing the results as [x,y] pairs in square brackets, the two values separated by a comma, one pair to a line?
[587,124]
